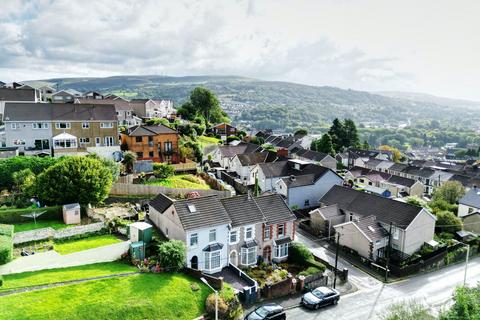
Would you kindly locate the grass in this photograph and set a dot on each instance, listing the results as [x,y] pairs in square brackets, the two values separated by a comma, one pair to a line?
[205,141]
[26,226]
[143,296]
[181,181]
[71,246]
[35,278]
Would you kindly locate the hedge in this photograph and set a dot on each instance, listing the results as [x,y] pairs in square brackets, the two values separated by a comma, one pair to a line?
[6,243]
[13,216]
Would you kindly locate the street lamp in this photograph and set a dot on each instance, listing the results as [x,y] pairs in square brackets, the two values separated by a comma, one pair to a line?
[216,296]
[466,262]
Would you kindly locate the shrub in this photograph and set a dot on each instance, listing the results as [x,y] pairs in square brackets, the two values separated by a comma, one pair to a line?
[228,305]
[316,264]
[232,138]
[172,255]
[6,243]
[466,304]
[299,253]
[11,165]
[309,271]
[448,222]
[12,216]
[163,170]
[1,280]
[409,310]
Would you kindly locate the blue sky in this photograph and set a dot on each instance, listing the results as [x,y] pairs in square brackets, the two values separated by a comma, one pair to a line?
[426,46]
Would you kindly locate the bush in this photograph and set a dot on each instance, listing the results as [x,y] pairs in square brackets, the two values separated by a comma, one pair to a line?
[315,264]
[11,165]
[163,170]
[448,222]
[1,280]
[6,243]
[12,216]
[172,255]
[466,304]
[299,254]
[409,310]
[310,271]
[232,138]
[228,305]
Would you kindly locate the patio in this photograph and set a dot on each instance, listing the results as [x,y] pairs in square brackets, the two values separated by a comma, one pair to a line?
[232,278]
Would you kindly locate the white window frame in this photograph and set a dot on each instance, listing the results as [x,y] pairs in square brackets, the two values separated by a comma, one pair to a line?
[84,140]
[246,238]
[67,125]
[214,233]
[85,125]
[14,125]
[282,227]
[233,232]
[106,125]
[396,233]
[193,236]
[39,125]
[109,141]
[266,232]
[281,251]
[98,142]
[213,260]
[249,256]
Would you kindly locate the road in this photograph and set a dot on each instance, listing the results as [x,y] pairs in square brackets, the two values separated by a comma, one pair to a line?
[373,297]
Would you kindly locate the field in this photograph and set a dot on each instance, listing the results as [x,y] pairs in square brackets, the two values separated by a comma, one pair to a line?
[140,296]
[26,226]
[71,246]
[181,181]
[35,278]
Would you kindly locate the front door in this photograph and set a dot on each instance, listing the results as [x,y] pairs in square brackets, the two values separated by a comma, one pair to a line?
[194,262]
[267,254]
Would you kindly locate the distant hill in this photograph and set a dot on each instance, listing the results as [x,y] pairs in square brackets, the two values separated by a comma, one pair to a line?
[281,105]
[424,97]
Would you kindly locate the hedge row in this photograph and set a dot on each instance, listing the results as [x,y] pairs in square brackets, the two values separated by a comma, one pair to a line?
[12,216]
[6,243]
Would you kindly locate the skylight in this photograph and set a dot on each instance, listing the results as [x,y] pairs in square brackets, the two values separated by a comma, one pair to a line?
[192,208]
[371,228]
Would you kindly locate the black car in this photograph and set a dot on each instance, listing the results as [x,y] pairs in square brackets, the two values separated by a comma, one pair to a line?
[320,297]
[268,311]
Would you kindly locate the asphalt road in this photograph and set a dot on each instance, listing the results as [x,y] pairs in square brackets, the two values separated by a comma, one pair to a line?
[432,289]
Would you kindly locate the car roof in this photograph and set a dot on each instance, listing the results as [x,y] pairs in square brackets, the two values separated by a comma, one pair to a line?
[325,290]
[271,307]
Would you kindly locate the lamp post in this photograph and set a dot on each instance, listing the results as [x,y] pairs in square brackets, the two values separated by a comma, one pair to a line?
[466,262]
[216,296]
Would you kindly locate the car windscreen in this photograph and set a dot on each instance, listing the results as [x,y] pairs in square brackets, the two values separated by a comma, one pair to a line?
[262,312]
[317,293]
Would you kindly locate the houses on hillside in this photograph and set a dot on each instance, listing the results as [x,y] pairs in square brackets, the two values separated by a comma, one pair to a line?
[224,130]
[218,232]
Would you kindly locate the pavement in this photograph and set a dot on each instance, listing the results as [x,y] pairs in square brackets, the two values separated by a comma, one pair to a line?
[52,259]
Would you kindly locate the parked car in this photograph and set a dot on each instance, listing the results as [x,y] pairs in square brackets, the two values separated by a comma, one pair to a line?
[320,297]
[268,312]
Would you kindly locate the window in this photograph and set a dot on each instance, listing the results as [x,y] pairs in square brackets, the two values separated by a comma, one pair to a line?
[233,236]
[139,154]
[168,146]
[62,125]
[40,125]
[280,231]
[109,141]
[266,233]
[42,144]
[212,260]
[18,142]
[97,141]
[281,251]
[106,125]
[85,125]
[212,235]
[150,154]
[15,125]
[306,203]
[138,139]
[470,210]
[249,256]
[193,239]
[396,233]
[84,140]
[249,233]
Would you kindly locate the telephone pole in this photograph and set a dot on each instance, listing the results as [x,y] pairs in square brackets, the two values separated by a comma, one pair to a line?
[387,254]
[336,261]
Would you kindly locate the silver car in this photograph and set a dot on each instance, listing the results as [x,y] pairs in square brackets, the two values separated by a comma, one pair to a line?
[320,297]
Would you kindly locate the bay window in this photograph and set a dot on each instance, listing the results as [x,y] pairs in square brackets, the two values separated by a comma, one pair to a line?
[281,251]
[212,260]
[249,256]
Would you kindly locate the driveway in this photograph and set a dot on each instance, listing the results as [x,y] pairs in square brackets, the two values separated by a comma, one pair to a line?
[432,289]
[52,259]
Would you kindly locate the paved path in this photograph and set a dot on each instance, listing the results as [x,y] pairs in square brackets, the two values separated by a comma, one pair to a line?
[52,259]
[58,284]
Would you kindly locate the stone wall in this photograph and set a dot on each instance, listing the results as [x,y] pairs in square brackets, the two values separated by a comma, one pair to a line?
[50,233]
[143,189]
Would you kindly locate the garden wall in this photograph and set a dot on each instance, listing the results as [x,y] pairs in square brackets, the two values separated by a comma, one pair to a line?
[12,216]
[216,283]
[143,189]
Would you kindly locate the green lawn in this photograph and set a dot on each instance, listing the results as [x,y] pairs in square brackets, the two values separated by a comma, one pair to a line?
[35,278]
[84,244]
[205,141]
[55,224]
[143,296]
[181,181]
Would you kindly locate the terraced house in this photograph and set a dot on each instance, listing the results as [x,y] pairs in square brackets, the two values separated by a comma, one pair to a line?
[61,129]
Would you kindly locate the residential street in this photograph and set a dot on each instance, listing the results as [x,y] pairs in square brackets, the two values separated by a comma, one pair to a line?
[433,289]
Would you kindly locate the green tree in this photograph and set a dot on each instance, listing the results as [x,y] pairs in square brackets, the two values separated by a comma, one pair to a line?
[163,170]
[450,191]
[129,159]
[365,145]
[172,255]
[448,222]
[11,165]
[409,310]
[203,103]
[324,144]
[299,253]
[74,179]
[24,182]
[337,133]
[466,306]
[397,155]
[350,138]
[302,132]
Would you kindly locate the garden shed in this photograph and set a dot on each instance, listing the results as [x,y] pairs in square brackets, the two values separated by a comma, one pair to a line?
[71,213]
[140,231]
[137,250]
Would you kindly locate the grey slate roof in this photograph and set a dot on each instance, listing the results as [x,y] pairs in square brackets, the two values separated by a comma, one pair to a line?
[209,211]
[311,155]
[371,228]
[399,167]
[9,94]
[286,168]
[471,198]
[275,209]
[363,204]
[300,181]
[407,182]
[420,172]
[139,131]
[249,159]
[58,111]
[241,148]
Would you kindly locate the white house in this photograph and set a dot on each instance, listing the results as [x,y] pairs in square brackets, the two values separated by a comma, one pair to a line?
[244,164]
[469,203]
[201,223]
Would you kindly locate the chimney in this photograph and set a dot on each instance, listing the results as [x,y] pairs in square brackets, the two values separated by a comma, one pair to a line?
[193,195]
[282,152]
[292,178]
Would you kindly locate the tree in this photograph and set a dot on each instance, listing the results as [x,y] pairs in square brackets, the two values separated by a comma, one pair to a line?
[203,103]
[158,121]
[337,133]
[24,181]
[11,165]
[448,222]
[258,140]
[299,253]
[350,138]
[365,145]
[163,170]
[172,255]
[129,159]
[301,132]
[324,144]
[397,155]
[74,179]
[450,191]
[409,310]
[466,306]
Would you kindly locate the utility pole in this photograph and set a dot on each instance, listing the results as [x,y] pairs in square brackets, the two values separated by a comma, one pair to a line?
[466,265]
[387,254]
[336,261]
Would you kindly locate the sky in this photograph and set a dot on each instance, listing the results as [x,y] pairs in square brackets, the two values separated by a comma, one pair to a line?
[429,46]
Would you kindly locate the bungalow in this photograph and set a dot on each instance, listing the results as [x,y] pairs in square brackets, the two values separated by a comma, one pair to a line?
[201,223]
[261,227]
[225,154]
[368,219]
[224,130]
[469,203]
[320,158]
